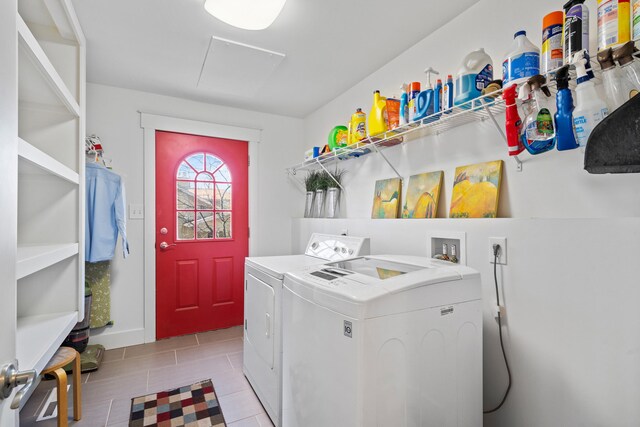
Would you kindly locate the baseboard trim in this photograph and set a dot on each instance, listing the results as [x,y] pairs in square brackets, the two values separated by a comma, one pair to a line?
[117,339]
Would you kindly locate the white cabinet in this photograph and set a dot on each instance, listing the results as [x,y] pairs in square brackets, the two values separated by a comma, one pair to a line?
[49,152]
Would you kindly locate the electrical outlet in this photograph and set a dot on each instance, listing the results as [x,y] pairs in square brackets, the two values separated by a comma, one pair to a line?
[136,211]
[502,254]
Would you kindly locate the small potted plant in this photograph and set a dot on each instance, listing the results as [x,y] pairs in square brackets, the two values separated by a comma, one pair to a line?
[332,199]
[311,185]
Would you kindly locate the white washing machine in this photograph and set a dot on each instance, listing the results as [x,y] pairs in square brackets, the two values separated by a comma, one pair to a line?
[262,359]
[382,341]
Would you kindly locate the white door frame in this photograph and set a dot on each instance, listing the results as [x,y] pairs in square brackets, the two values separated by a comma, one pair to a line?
[152,123]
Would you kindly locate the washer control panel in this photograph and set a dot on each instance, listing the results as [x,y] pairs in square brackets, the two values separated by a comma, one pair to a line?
[334,248]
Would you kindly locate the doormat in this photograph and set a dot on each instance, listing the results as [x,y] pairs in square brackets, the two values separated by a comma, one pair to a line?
[192,405]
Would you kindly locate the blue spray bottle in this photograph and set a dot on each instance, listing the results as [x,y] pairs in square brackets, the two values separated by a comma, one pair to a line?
[437,97]
[425,100]
[565,135]
[404,106]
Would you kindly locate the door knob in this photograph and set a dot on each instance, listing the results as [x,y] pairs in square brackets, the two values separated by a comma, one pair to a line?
[165,245]
[11,378]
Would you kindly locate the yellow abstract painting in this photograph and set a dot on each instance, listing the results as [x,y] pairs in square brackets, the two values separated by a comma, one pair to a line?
[476,190]
[386,198]
[422,196]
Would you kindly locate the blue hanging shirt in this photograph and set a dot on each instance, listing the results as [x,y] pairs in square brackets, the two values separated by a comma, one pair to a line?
[105,214]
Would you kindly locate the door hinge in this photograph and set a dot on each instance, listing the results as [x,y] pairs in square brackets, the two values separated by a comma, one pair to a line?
[249,232]
[245,324]
[248,160]
[245,285]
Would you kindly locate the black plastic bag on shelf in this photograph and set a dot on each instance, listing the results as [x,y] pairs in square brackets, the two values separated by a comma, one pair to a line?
[614,144]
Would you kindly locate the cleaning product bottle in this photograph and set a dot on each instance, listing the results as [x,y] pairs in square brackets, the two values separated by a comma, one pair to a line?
[338,137]
[590,108]
[377,121]
[551,56]
[521,62]
[616,88]
[437,97]
[447,95]
[425,99]
[413,93]
[538,132]
[635,19]
[393,113]
[476,73]
[628,65]
[513,123]
[404,106]
[614,23]
[357,127]
[565,135]
[576,29]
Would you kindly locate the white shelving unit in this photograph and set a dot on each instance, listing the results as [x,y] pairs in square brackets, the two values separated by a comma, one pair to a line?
[30,46]
[50,123]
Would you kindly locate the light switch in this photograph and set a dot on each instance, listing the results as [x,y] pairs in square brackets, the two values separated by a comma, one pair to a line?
[136,211]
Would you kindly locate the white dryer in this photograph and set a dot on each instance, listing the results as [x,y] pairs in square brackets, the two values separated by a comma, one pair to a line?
[262,358]
[382,341]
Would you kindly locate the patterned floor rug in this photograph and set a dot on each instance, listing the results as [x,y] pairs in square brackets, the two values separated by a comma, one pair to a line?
[192,405]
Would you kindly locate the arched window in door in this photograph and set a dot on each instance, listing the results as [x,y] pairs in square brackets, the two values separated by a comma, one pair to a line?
[203,198]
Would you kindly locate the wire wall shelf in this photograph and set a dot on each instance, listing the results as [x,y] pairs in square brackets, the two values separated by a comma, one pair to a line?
[482,109]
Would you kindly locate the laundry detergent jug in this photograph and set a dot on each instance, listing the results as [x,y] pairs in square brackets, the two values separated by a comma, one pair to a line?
[474,75]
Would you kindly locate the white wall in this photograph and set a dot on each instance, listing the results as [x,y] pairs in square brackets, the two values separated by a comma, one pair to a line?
[571,293]
[570,287]
[551,185]
[112,114]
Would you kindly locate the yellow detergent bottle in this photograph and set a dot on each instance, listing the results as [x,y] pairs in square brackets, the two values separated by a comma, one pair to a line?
[357,127]
[377,120]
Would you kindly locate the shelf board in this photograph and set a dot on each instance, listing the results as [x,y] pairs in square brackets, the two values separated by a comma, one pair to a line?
[33,258]
[54,14]
[39,81]
[38,338]
[36,161]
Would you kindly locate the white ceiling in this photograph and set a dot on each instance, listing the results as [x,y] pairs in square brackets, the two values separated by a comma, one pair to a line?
[160,45]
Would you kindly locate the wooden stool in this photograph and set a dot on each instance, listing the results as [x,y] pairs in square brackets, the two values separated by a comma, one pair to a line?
[63,357]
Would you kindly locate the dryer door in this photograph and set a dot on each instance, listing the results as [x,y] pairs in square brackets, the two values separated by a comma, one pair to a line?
[259,317]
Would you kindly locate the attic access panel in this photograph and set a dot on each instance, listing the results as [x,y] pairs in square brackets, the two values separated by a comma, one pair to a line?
[236,68]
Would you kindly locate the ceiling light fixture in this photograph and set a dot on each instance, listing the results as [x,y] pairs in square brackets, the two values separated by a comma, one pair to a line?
[245,14]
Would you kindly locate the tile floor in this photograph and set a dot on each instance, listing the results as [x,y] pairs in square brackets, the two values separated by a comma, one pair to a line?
[148,368]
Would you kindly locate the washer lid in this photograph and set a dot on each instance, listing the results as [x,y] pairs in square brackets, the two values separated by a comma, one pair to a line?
[366,268]
[359,287]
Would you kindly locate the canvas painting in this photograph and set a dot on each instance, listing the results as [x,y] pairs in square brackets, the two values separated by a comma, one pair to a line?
[422,196]
[476,190]
[386,198]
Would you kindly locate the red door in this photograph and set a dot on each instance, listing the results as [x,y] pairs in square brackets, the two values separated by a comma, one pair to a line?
[202,232]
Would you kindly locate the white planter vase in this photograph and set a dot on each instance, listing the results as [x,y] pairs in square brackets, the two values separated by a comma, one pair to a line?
[318,204]
[308,204]
[332,203]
